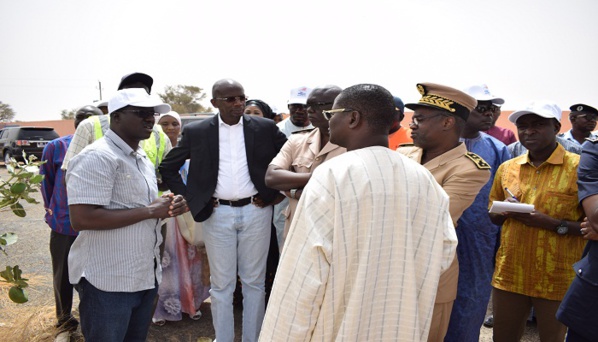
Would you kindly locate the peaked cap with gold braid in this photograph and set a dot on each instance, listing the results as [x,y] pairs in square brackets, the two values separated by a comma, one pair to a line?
[446,98]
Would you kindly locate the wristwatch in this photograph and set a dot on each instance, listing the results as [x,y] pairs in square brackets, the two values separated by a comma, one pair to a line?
[293,193]
[562,228]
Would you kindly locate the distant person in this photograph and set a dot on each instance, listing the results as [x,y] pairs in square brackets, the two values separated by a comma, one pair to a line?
[171,126]
[182,289]
[533,262]
[437,124]
[491,103]
[113,200]
[226,191]
[578,309]
[297,119]
[292,168]
[398,134]
[359,264]
[583,121]
[103,106]
[478,236]
[53,191]
[259,108]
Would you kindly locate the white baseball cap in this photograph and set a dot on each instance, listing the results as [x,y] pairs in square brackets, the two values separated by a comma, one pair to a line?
[545,109]
[137,97]
[481,92]
[299,95]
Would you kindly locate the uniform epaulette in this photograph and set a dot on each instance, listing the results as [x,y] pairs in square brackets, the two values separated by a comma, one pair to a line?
[592,140]
[303,131]
[478,161]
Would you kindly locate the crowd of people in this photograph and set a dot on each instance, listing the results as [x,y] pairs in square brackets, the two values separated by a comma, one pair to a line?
[337,223]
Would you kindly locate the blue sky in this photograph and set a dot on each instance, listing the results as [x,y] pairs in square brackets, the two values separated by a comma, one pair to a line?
[53,53]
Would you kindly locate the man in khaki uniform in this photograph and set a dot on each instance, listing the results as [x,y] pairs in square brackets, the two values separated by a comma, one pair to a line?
[438,120]
[291,169]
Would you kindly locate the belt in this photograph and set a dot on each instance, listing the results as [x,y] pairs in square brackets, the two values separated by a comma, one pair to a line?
[239,203]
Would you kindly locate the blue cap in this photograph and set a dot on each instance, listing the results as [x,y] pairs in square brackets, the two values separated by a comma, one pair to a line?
[399,103]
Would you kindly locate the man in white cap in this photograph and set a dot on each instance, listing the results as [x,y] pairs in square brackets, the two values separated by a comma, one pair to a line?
[113,201]
[477,235]
[537,249]
[92,129]
[487,102]
[298,119]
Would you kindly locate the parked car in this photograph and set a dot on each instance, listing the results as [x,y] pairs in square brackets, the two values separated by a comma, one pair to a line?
[14,140]
[187,118]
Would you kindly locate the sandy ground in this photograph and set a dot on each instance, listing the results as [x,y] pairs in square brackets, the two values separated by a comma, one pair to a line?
[34,320]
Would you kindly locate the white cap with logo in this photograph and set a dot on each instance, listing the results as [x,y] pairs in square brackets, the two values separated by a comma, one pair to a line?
[299,95]
[481,92]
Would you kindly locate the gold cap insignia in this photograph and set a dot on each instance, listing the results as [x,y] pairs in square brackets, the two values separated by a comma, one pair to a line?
[421,89]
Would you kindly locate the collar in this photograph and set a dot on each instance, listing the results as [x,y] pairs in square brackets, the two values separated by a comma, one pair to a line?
[220,122]
[556,158]
[446,157]
[121,144]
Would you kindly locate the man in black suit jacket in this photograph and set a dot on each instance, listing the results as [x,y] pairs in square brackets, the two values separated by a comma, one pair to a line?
[229,155]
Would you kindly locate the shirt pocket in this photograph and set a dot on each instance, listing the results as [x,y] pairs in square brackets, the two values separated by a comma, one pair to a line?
[131,188]
[302,165]
[559,205]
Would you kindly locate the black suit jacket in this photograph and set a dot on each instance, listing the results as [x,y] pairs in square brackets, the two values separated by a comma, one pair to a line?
[199,143]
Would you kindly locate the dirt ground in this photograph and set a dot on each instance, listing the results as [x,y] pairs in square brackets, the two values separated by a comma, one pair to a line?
[34,320]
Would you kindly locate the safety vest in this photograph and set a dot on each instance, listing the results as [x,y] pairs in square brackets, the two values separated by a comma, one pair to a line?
[153,147]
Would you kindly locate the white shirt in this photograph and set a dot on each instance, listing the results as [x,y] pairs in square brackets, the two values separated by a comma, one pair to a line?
[287,127]
[234,181]
[364,253]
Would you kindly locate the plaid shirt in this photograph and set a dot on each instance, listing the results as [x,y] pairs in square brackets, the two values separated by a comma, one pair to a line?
[54,187]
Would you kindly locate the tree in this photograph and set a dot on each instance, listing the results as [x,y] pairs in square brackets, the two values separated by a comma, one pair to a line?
[6,113]
[23,180]
[185,99]
[68,114]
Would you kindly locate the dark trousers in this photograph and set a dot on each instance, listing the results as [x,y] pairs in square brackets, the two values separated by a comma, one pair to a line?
[60,245]
[115,316]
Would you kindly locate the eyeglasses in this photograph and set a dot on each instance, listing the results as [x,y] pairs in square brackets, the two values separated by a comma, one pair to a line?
[142,113]
[490,108]
[416,121]
[232,99]
[316,105]
[589,117]
[328,114]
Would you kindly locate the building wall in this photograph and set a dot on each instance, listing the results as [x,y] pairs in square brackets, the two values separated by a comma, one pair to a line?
[62,127]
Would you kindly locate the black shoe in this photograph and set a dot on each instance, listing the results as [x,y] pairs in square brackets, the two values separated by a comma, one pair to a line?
[489,321]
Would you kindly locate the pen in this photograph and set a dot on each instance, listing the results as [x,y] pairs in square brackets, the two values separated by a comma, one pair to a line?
[510,193]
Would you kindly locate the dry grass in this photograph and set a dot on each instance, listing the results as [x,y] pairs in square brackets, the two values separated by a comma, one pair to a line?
[33,321]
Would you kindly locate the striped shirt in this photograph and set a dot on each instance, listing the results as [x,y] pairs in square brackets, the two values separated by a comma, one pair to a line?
[110,174]
[53,186]
[531,261]
[364,254]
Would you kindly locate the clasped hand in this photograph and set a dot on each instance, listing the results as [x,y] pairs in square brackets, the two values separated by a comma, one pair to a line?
[168,205]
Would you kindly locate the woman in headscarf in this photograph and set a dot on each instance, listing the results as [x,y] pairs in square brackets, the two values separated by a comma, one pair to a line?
[259,108]
[185,275]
